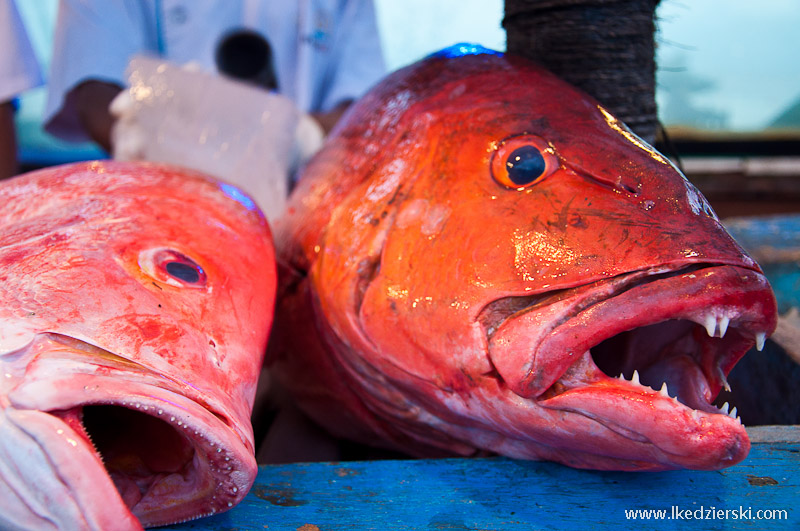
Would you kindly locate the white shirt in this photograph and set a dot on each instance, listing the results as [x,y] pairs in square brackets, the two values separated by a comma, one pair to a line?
[19,69]
[324,51]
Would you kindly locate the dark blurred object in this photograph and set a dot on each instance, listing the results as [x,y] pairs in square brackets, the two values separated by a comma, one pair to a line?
[765,387]
[689,143]
[246,55]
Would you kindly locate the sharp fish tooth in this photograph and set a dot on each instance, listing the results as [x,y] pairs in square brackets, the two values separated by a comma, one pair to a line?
[664,391]
[723,325]
[761,337]
[733,414]
[724,408]
[723,379]
[635,377]
[711,325]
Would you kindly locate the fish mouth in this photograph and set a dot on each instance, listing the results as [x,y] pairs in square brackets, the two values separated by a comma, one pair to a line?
[644,354]
[144,456]
[170,457]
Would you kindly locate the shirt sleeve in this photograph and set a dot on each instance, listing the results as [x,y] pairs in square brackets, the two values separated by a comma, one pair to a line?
[94,39]
[19,69]
[358,58]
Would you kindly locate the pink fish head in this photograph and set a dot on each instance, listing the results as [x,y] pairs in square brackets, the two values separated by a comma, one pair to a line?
[481,250]
[135,303]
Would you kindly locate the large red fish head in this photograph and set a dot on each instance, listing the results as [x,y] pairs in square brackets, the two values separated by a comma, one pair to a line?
[484,250]
[135,302]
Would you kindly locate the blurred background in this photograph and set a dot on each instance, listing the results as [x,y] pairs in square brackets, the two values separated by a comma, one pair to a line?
[728,87]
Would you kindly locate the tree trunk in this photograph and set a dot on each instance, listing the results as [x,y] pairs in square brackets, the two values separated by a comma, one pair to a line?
[605,47]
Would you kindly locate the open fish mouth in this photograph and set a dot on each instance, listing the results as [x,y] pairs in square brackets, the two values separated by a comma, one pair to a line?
[170,457]
[644,354]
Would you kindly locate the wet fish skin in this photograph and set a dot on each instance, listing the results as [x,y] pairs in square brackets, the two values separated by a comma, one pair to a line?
[430,305]
[135,303]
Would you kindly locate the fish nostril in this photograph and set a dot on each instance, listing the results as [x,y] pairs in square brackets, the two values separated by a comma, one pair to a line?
[624,183]
[630,189]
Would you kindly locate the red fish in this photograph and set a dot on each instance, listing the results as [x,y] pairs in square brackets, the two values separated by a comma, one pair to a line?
[135,302]
[476,255]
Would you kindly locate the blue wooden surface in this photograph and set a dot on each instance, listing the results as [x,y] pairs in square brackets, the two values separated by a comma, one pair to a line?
[499,494]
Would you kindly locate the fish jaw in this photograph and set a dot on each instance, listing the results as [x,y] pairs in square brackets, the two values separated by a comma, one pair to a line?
[659,324]
[123,446]
[63,477]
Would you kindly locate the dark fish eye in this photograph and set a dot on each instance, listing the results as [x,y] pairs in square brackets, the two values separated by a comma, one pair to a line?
[173,268]
[525,165]
[186,272]
[522,161]
[180,267]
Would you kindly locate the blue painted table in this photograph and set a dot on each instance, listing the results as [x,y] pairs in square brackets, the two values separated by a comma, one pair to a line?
[499,494]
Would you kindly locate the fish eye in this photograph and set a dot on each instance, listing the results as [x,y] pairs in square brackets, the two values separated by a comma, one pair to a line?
[184,270]
[522,161]
[524,165]
[173,268]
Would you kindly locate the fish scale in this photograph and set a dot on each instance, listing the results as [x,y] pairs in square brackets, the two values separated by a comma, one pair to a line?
[97,329]
[552,265]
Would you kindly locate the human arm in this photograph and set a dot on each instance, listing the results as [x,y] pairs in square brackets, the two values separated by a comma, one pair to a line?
[91,100]
[8,141]
[327,120]
[92,44]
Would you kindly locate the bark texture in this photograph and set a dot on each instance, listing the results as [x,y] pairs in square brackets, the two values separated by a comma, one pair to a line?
[605,47]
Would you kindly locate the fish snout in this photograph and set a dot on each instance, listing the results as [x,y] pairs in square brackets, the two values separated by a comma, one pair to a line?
[99,419]
[663,339]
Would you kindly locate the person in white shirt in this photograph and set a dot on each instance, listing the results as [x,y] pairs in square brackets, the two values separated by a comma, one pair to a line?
[19,71]
[326,53]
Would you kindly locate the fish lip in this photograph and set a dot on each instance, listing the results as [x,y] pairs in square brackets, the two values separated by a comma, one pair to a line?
[679,438]
[629,301]
[223,463]
[70,473]
[561,354]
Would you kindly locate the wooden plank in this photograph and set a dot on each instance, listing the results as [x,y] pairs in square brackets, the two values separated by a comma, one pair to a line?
[504,494]
[747,185]
[769,239]
[774,434]
[774,242]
